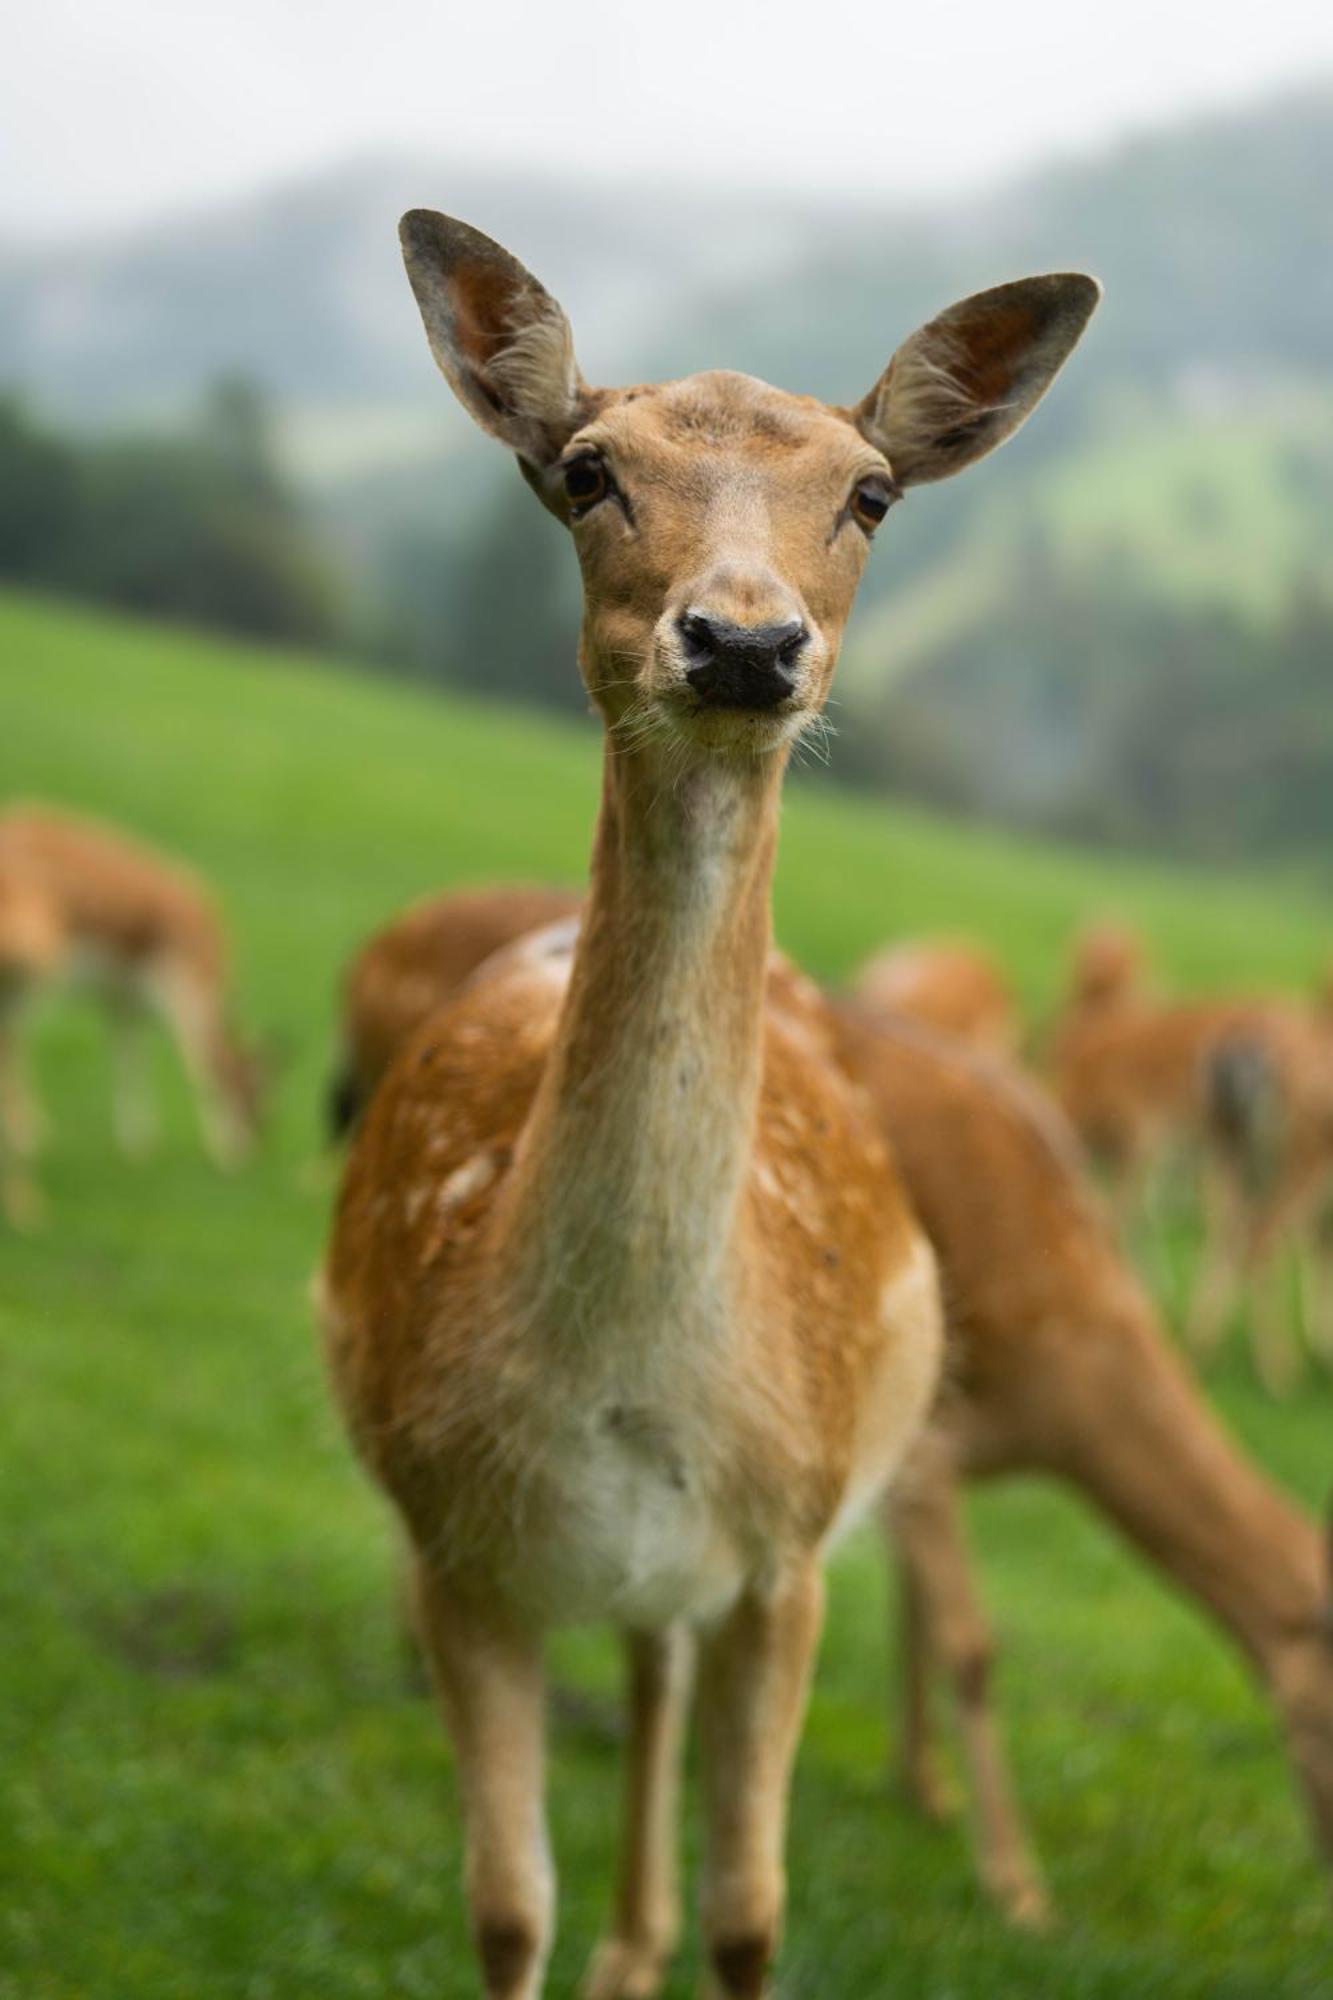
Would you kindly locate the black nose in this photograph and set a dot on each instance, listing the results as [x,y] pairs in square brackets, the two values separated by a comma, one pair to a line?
[741,666]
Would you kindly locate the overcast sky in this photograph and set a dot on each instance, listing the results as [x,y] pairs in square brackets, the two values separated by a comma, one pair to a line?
[115,112]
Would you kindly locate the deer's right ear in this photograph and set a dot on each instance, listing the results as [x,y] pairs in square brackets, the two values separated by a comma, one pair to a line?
[500,339]
[965,382]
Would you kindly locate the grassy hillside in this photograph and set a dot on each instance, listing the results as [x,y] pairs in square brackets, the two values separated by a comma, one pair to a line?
[216,1782]
[1219,508]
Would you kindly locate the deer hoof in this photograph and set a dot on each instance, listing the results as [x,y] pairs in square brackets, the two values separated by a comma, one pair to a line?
[624,1970]
[1027,1906]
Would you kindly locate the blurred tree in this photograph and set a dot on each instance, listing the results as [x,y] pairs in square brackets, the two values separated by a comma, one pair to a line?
[1088,710]
[488,601]
[236,429]
[516,633]
[196,526]
[39,497]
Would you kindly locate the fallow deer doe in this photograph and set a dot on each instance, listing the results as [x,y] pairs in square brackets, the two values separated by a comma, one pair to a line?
[82,903]
[945,983]
[1245,1083]
[624,1304]
[1058,1365]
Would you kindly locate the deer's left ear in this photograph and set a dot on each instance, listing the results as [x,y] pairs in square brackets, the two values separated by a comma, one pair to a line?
[966,381]
[500,339]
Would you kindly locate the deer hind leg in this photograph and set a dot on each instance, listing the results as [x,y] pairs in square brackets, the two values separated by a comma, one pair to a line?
[1273,1338]
[1319,1317]
[491,1687]
[927,1527]
[1220,1281]
[754,1677]
[923,1773]
[632,1960]
[1279,1231]
[133,1109]
[21,1125]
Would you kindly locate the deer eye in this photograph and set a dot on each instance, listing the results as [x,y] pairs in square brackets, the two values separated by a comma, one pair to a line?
[870,502]
[586,481]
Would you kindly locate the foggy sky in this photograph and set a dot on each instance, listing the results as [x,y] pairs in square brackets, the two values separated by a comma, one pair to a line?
[114,114]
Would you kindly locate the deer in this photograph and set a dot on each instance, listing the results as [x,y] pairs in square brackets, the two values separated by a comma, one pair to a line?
[1057,1366]
[624,1306]
[1245,1084]
[31,947]
[1128,1066]
[83,904]
[950,984]
[1061,1367]
[399,974]
[1268,1130]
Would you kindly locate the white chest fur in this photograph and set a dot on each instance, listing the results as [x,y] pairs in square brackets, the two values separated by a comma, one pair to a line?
[621,1525]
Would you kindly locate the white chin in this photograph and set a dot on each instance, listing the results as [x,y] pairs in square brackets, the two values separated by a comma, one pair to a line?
[748,732]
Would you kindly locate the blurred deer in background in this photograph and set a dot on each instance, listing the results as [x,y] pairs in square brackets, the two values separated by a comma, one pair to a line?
[624,1304]
[1268,1095]
[399,975]
[1127,1067]
[1062,1367]
[31,946]
[1058,1365]
[1245,1084]
[82,904]
[946,983]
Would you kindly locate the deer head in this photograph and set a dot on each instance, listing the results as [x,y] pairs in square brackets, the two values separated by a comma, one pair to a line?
[1109,965]
[722,525]
[1301,1674]
[31,936]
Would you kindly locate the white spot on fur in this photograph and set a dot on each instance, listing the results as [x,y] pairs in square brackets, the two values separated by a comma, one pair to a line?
[467,1180]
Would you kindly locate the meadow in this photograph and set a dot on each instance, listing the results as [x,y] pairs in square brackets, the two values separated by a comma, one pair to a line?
[217,1778]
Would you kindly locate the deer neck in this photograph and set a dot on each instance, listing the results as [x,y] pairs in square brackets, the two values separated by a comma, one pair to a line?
[1166,1470]
[627,1185]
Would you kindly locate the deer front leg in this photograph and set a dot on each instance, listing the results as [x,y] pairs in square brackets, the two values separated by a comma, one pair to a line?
[631,1962]
[491,1687]
[929,1534]
[754,1678]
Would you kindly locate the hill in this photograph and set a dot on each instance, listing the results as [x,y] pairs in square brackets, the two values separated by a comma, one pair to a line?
[323,800]
[210,1749]
[1171,502]
[302,287]
[1213,238]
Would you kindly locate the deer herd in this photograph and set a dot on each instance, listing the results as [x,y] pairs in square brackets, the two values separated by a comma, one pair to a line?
[654,1267]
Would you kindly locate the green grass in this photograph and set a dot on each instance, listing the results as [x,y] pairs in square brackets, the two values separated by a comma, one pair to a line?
[215,1780]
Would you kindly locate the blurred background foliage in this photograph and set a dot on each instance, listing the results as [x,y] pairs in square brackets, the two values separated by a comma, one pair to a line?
[1124,635]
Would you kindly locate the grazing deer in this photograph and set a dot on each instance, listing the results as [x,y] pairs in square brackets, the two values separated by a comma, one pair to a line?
[1061,1367]
[31,946]
[624,1305]
[1246,1084]
[1058,1366]
[1268,1118]
[398,976]
[947,983]
[80,903]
